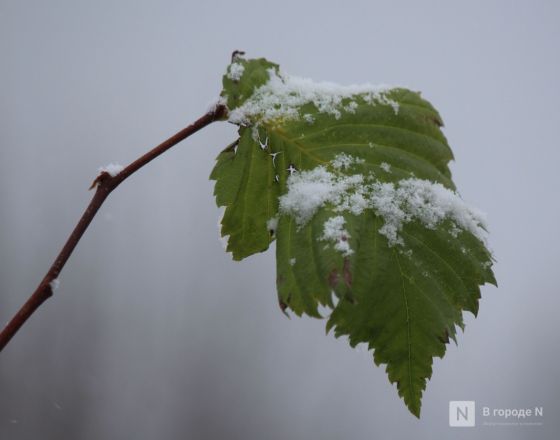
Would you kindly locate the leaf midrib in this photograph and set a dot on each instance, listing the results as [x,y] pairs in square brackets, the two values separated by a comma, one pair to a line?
[408,332]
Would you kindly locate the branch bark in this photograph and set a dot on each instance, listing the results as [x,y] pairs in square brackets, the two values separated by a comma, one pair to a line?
[104,184]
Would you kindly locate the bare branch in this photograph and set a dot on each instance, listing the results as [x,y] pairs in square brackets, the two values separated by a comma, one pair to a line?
[105,183]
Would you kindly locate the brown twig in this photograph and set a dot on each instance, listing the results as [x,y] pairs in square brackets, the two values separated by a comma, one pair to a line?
[104,184]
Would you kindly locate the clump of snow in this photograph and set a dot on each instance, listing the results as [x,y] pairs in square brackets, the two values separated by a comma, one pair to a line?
[112,169]
[351,107]
[281,97]
[399,203]
[428,202]
[345,161]
[309,190]
[333,231]
[272,224]
[371,99]
[308,117]
[55,284]
[454,231]
[213,105]
[235,71]
[385,167]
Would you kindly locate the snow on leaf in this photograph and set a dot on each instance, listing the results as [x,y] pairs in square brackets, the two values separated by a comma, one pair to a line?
[353,184]
[235,71]
[283,96]
[333,231]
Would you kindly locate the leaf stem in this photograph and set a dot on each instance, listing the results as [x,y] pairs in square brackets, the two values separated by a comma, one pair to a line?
[104,184]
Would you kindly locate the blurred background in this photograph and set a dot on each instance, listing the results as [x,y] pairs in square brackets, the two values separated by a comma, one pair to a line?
[155,333]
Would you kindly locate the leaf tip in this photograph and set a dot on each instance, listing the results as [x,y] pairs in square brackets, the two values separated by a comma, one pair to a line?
[415,410]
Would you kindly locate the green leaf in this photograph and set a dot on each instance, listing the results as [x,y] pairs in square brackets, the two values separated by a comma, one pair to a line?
[354,185]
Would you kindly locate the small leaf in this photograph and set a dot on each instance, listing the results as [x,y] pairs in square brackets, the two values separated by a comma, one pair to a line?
[354,184]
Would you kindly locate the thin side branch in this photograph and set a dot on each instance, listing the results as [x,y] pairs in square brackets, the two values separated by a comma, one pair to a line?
[105,184]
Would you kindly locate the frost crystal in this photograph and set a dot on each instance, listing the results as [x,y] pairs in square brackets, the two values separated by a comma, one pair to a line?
[398,203]
[283,95]
[235,71]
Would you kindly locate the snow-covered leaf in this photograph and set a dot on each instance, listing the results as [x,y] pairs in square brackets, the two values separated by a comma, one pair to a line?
[354,185]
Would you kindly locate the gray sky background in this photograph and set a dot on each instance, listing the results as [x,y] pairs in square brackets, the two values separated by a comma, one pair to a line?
[155,333]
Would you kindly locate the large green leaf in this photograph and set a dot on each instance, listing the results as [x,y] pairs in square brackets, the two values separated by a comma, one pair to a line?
[354,185]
